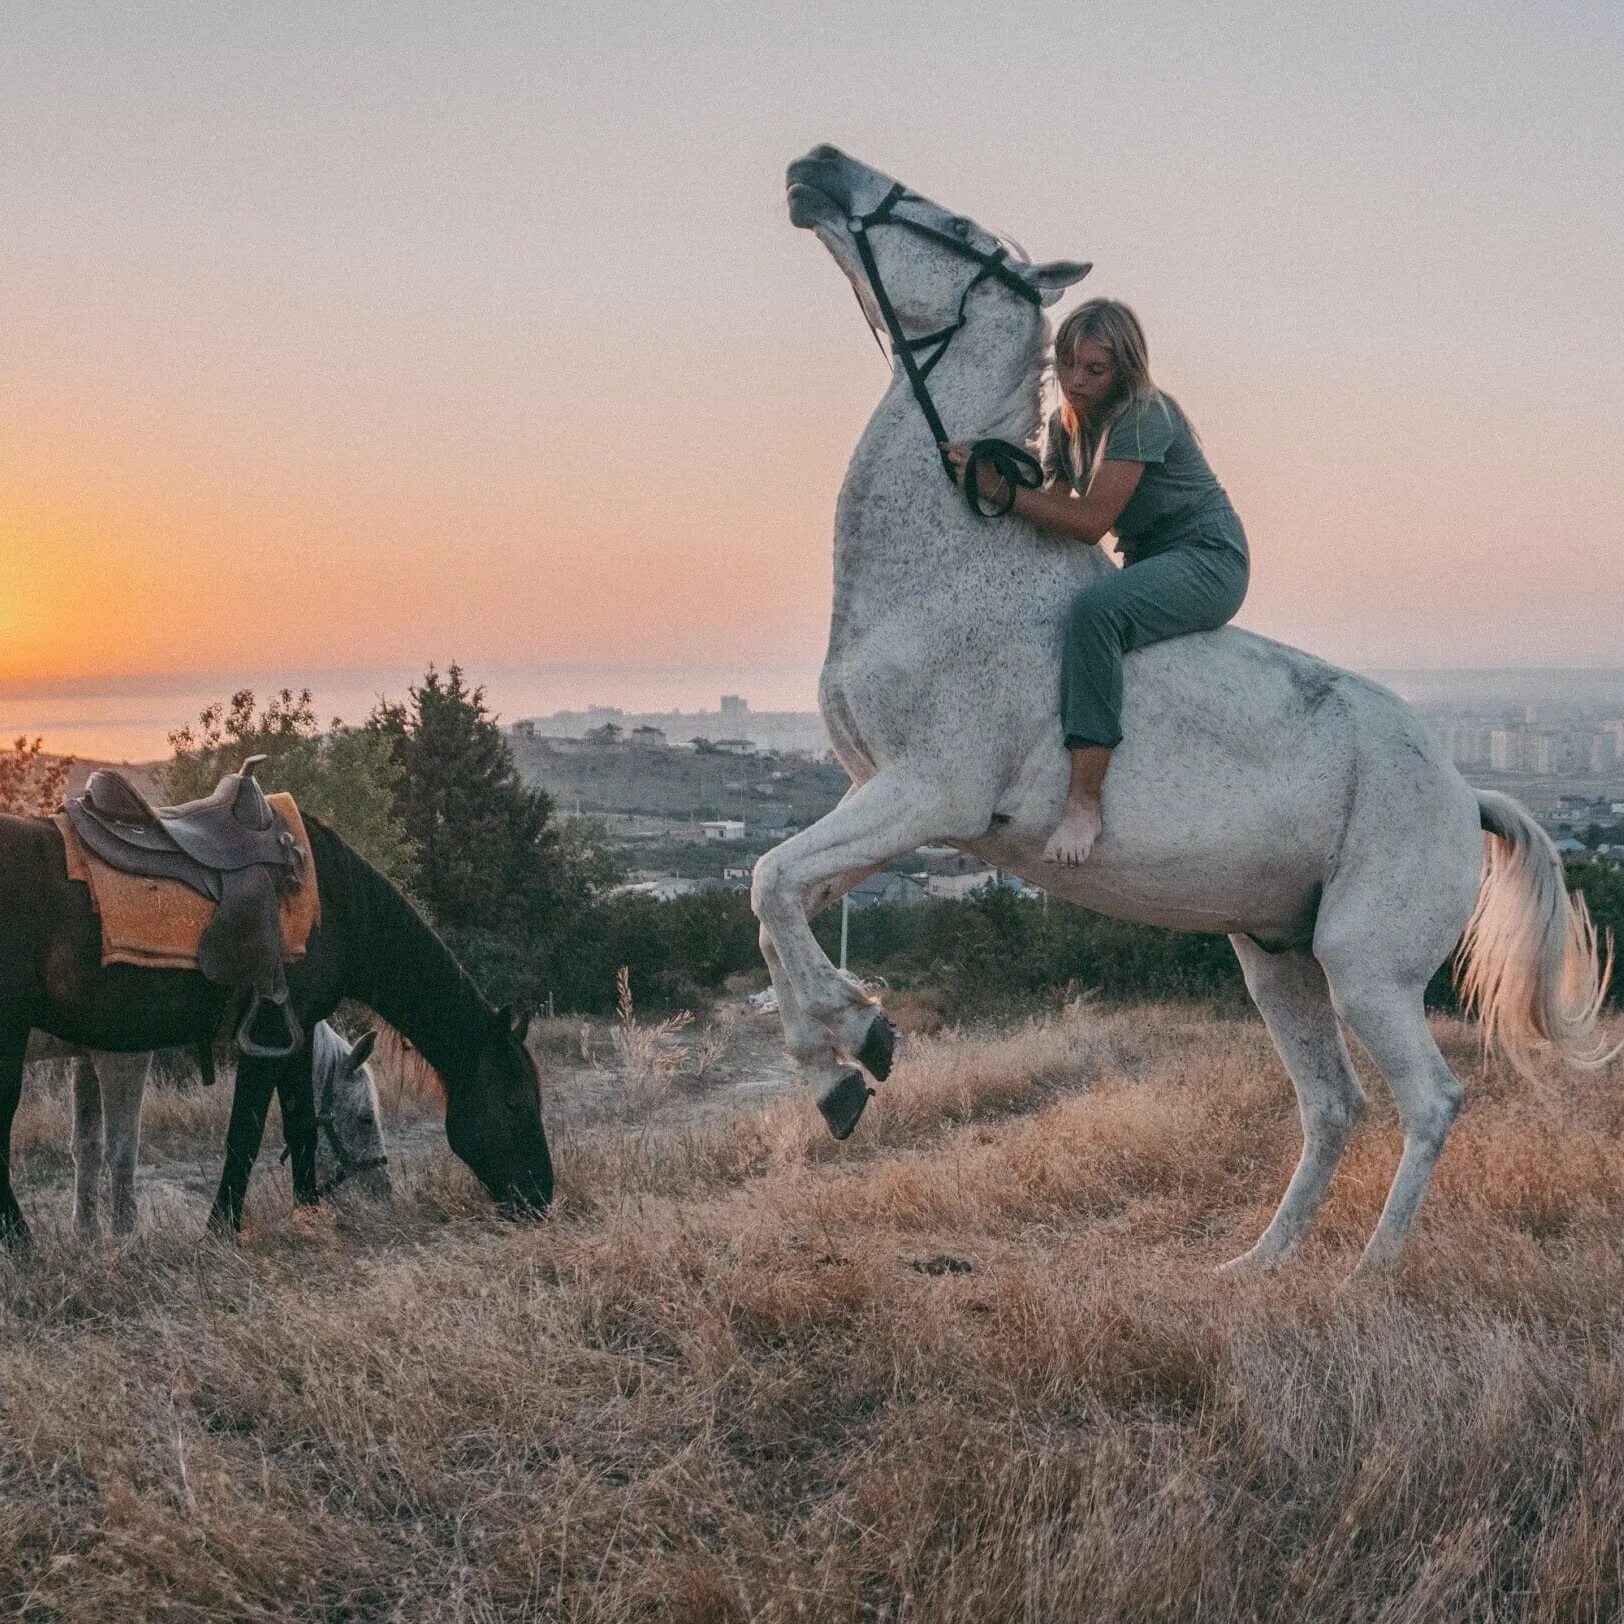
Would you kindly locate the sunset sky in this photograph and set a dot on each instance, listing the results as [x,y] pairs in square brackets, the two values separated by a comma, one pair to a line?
[364,335]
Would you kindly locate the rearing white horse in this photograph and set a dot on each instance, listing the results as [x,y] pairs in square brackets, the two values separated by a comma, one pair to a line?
[1257,791]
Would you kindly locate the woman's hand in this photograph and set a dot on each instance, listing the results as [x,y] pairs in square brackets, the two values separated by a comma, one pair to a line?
[988,482]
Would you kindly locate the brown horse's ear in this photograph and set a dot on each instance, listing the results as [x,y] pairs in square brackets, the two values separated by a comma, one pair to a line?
[363,1048]
[521,1023]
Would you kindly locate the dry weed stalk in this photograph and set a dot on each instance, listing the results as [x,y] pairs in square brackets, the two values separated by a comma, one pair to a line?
[646,1056]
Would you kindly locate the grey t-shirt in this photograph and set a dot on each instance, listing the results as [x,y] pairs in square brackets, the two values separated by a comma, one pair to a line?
[1177,499]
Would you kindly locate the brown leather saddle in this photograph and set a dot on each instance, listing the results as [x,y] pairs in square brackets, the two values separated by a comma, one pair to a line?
[232,847]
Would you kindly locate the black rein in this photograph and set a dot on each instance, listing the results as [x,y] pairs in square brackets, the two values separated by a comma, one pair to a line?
[1013,464]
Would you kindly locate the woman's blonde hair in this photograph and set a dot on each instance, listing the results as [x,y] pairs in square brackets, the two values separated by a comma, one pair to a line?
[1110,323]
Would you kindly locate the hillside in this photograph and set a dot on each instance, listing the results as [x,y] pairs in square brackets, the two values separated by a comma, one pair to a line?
[973,1365]
[682,784]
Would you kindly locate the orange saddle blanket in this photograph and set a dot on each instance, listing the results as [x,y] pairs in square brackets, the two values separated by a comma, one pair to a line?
[158,923]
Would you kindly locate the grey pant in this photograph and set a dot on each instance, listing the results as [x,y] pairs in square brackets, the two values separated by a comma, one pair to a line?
[1192,587]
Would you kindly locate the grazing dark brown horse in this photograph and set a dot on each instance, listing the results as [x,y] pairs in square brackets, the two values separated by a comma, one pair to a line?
[371,945]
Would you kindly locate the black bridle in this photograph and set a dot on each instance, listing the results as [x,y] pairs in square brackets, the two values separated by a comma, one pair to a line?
[348,1166]
[1014,465]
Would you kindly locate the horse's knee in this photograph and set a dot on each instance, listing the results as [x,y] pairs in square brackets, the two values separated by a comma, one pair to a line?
[771,889]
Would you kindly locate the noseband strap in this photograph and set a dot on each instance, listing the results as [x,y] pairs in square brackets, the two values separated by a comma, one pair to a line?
[348,1165]
[1014,465]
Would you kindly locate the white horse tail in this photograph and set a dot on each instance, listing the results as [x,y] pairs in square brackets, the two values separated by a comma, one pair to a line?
[1531,966]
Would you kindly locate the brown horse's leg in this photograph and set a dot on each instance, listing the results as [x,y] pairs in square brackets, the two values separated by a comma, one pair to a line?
[251,1101]
[295,1091]
[13,1046]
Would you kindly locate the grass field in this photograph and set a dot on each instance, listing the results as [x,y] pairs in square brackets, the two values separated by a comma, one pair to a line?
[973,1365]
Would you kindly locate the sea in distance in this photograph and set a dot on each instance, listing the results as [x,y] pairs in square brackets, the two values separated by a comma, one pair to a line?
[130,719]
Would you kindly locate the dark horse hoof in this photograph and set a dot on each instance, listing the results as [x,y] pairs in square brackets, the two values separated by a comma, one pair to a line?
[844,1103]
[879,1045]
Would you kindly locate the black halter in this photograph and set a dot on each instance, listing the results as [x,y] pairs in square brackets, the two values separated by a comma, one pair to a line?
[1013,465]
[348,1165]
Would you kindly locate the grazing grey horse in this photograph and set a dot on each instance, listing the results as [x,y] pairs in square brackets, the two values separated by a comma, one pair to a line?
[1258,791]
[107,1092]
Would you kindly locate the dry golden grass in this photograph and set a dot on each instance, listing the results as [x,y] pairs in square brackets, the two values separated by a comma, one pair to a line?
[973,1365]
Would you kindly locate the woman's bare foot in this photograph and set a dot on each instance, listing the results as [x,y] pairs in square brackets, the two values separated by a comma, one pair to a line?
[1074,838]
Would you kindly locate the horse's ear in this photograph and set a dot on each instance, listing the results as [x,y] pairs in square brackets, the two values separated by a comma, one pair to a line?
[363,1048]
[521,1024]
[1053,279]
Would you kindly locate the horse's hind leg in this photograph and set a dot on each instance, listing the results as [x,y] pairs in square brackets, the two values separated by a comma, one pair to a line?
[1290,991]
[1390,1020]
[123,1081]
[87,1144]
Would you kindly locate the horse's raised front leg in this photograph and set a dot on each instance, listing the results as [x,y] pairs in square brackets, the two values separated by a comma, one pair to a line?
[87,1144]
[826,1017]
[123,1082]
[808,1042]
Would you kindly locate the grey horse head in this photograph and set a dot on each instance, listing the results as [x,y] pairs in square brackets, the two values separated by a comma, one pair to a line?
[830,192]
[350,1155]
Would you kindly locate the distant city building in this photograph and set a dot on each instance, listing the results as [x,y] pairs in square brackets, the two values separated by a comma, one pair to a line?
[723,829]
[648,738]
[525,730]
[1505,750]
[905,889]
[788,731]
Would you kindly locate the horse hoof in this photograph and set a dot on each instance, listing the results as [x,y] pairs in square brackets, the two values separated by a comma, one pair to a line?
[843,1104]
[879,1046]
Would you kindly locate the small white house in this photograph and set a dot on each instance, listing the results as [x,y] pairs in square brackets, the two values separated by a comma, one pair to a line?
[958,875]
[723,829]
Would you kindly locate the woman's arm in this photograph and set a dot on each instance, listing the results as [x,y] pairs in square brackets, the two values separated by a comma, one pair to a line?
[1059,510]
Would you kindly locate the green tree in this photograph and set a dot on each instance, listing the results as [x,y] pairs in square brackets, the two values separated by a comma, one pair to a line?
[346,776]
[504,884]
